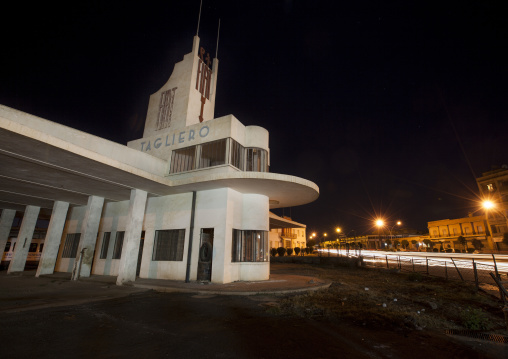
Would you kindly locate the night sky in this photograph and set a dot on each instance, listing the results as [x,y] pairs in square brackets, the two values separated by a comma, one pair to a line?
[392,110]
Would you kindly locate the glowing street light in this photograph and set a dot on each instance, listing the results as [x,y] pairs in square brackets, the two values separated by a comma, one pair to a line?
[487,204]
[380,223]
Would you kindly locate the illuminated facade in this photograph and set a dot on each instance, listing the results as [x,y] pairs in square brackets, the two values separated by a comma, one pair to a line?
[493,186]
[188,201]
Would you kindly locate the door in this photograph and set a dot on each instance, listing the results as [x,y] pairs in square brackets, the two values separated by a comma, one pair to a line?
[205,255]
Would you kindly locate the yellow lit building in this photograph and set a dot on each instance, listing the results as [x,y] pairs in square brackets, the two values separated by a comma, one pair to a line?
[493,186]
[446,232]
[286,233]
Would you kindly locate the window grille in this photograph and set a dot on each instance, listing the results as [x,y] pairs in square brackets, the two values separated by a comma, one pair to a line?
[166,109]
[71,245]
[105,245]
[183,159]
[249,246]
[117,250]
[257,160]
[237,154]
[169,245]
[213,154]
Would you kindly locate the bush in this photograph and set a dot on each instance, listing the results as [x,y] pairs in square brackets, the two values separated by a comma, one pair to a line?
[474,319]
[273,252]
[435,250]
[297,251]
[281,251]
[289,251]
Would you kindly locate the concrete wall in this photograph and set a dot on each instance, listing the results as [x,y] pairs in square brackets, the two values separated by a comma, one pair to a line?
[222,209]
[73,224]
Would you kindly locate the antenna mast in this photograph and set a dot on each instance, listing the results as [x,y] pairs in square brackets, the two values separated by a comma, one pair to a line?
[217,47]
[199,17]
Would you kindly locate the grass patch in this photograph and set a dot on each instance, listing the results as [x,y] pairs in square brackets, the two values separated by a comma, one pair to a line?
[390,299]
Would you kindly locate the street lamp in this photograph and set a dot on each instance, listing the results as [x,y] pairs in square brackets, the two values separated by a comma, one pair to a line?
[379,223]
[488,205]
[399,223]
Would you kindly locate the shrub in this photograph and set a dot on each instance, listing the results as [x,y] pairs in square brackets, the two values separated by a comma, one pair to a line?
[281,251]
[297,251]
[474,319]
[404,243]
[435,250]
[289,251]
[273,252]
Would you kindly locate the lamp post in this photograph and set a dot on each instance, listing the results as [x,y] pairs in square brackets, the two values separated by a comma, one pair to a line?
[488,205]
[379,223]
[399,223]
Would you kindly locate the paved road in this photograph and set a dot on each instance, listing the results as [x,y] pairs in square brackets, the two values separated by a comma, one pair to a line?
[180,325]
[85,320]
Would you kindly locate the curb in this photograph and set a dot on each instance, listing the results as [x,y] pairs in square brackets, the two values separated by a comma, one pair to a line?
[166,289]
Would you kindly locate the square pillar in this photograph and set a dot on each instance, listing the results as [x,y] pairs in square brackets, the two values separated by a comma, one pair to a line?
[53,238]
[25,235]
[5,227]
[130,249]
[89,230]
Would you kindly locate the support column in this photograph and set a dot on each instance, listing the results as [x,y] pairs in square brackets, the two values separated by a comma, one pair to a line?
[25,235]
[53,238]
[89,230]
[5,227]
[132,238]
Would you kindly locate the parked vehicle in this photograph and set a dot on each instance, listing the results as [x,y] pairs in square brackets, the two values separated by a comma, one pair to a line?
[33,257]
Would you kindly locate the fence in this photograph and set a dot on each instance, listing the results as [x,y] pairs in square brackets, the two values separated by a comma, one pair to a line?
[467,270]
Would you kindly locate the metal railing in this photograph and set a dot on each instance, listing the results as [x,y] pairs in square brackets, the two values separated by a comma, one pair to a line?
[450,268]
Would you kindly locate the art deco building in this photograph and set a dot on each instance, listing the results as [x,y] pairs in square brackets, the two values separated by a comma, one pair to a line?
[188,201]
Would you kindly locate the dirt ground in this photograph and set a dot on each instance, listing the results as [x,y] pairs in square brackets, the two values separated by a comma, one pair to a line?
[151,325]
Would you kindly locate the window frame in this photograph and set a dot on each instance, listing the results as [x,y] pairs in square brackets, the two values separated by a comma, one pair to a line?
[172,251]
[117,249]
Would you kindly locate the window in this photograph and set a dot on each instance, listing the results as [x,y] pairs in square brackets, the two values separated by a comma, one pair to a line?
[213,154]
[168,245]
[105,245]
[237,154]
[71,245]
[165,109]
[436,233]
[249,246]
[117,250]
[183,159]
[490,187]
[7,246]
[444,232]
[455,231]
[32,248]
[257,160]
[467,230]
[40,247]
[479,229]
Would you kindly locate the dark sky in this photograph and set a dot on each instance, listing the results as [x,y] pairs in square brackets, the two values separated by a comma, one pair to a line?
[392,110]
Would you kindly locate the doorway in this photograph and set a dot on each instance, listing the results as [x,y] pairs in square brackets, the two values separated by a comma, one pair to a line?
[205,255]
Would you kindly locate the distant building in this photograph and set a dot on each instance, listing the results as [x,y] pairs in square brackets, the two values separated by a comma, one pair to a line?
[286,233]
[493,185]
[445,232]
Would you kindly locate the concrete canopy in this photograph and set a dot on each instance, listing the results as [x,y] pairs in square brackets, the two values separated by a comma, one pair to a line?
[281,222]
[42,162]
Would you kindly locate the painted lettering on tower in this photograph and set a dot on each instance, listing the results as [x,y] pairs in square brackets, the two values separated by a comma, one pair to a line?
[166,108]
[203,79]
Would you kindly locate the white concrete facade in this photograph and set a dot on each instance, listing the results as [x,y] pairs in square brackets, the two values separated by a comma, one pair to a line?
[192,182]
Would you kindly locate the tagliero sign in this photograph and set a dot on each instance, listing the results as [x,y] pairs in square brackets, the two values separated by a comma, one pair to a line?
[175,138]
